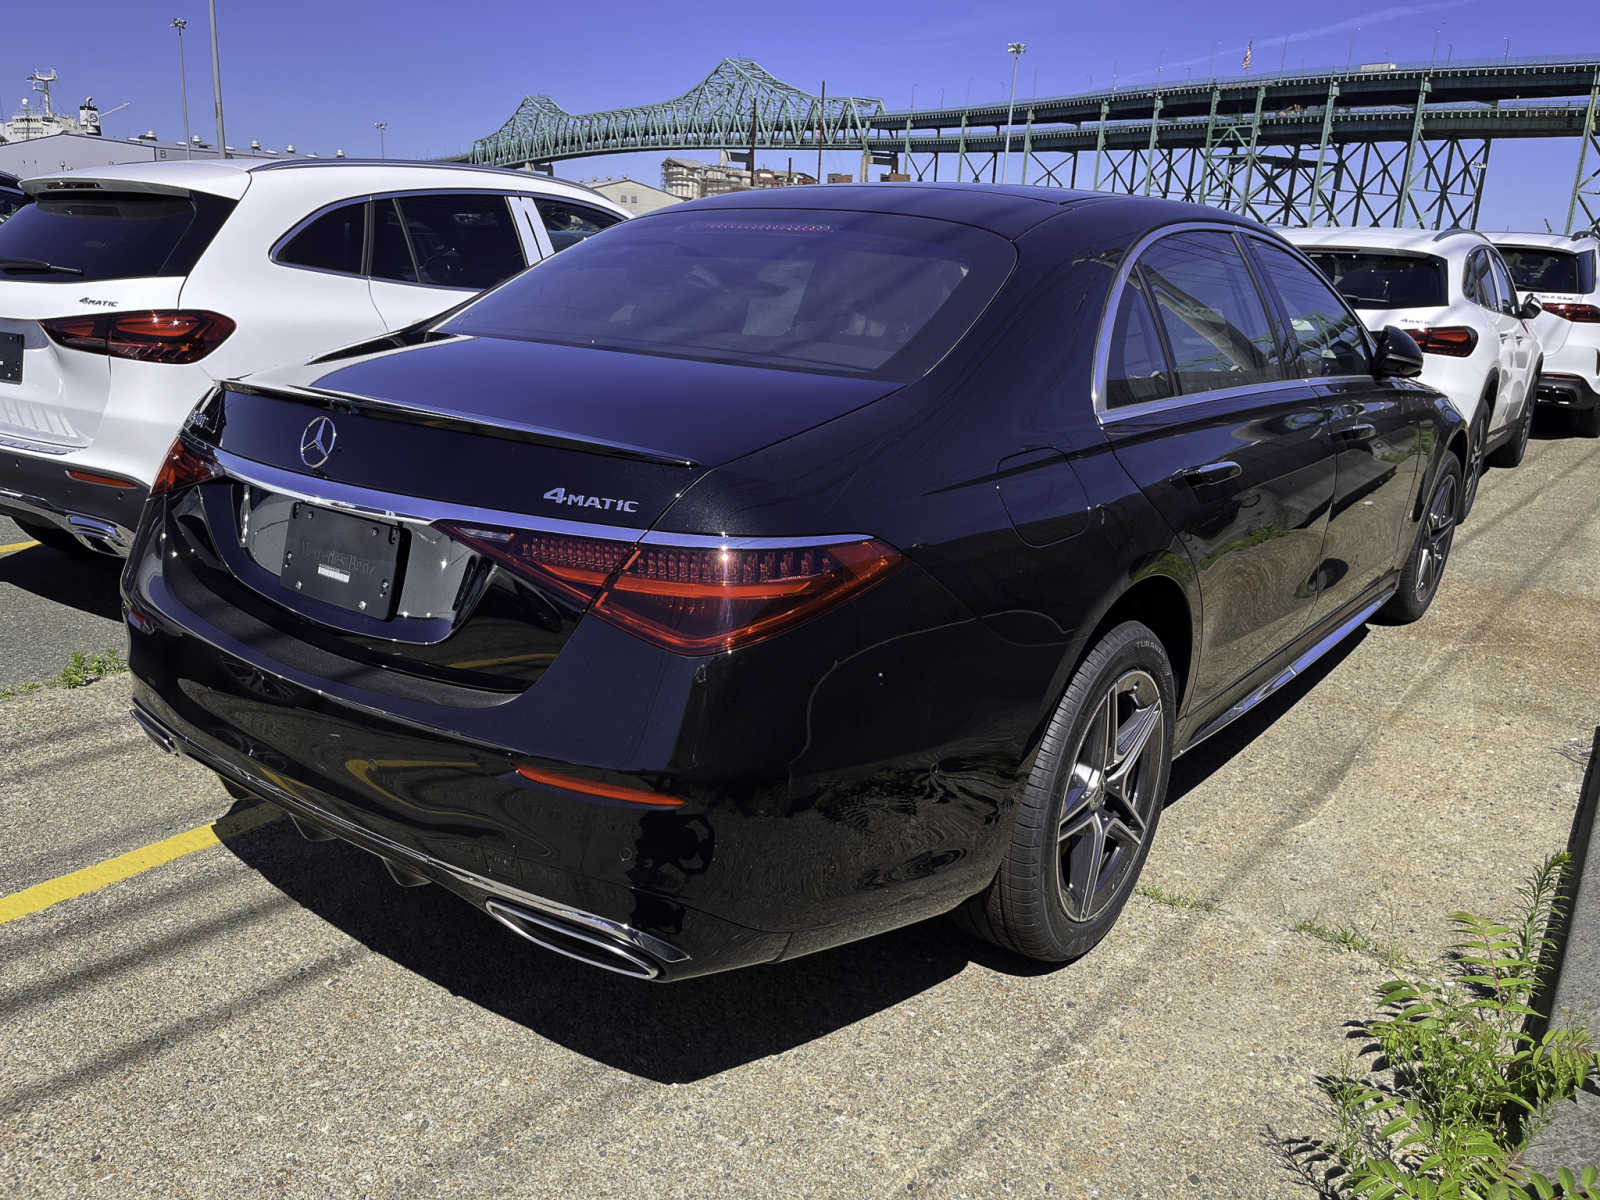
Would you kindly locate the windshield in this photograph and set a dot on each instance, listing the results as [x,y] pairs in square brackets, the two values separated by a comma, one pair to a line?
[833,292]
[1369,280]
[110,235]
[1536,269]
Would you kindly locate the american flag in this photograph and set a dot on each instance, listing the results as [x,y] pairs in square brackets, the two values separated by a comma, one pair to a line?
[1249,53]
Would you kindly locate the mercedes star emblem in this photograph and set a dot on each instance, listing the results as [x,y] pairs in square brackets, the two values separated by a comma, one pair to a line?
[316,443]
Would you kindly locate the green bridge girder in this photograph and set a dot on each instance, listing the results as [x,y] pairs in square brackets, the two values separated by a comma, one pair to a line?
[1391,145]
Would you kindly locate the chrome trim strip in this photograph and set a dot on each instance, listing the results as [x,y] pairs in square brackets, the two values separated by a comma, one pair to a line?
[359,836]
[1298,667]
[30,447]
[411,510]
[154,730]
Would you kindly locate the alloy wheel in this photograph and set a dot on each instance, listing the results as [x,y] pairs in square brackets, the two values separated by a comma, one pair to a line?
[1437,534]
[1106,813]
[1474,471]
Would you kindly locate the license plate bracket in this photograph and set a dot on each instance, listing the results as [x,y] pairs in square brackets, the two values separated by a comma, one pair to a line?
[10,358]
[345,560]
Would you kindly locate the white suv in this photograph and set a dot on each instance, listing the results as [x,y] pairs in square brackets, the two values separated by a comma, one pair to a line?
[126,291]
[1564,274]
[1452,293]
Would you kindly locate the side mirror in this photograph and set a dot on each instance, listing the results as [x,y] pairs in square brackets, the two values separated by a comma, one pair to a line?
[1531,308]
[1398,355]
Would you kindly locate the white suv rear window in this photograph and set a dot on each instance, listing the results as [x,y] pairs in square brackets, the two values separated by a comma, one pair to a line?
[92,235]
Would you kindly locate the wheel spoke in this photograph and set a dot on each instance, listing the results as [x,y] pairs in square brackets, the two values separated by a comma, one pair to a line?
[1091,876]
[1134,738]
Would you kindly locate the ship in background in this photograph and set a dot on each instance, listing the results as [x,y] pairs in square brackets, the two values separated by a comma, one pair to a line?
[43,121]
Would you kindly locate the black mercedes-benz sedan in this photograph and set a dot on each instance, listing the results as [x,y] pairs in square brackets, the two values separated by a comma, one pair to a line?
[781,568]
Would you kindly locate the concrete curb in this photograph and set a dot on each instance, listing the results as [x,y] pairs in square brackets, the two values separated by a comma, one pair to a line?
[1572,993]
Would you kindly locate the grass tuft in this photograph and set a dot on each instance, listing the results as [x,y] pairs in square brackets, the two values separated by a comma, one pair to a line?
[1343,937]
[1177,899]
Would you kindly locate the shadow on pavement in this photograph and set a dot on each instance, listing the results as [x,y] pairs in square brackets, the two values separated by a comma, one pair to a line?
[1211,755]
[1553,424]
[671,1033]
[87,584]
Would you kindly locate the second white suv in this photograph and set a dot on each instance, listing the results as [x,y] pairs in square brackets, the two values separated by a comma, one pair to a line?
[1451,292]
[127,291]
[1564,274]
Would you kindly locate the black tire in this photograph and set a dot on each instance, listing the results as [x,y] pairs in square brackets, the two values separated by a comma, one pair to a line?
[1043,902]
[1511,454]
[1472,476]
[1430,553]
[56,539]
[1588,423]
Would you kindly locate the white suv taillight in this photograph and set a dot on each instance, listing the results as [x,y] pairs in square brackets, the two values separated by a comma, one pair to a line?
[171,335]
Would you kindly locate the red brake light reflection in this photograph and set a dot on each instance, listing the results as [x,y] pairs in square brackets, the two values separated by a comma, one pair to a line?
[1455,341]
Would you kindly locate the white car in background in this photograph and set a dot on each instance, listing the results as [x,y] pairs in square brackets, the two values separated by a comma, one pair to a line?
[1450,291]
[127,291]
[1563,272]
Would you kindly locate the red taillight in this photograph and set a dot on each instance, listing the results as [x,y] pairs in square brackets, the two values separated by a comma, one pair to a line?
[183,467]
[688,598]
[1457,341]
[596,787]
[1582,314]
[102,480]
[175,336]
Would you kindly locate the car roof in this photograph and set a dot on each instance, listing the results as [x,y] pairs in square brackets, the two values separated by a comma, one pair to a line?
[1006,209]
[231,177]
[1441,242]
[1551,241]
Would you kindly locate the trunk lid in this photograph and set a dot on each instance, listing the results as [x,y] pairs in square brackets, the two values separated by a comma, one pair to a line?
[403,450]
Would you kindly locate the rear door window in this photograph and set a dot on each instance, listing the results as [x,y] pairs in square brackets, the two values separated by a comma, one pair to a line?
[462,240]
[1213,317]
[111,235]
[1328,338]
[1138,367]
[391,248]
[1377,280]
[332,242]
[568,223]
[1504,290]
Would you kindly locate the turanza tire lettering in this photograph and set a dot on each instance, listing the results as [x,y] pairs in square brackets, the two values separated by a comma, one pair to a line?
[560,495]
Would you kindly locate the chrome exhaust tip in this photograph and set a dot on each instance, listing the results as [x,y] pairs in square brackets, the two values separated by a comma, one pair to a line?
[572,939]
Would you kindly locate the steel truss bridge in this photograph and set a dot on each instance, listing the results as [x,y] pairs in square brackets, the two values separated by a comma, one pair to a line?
[1387,144]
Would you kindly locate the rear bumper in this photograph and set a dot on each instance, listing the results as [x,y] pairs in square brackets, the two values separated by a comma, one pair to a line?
[41,491]
[1567,391]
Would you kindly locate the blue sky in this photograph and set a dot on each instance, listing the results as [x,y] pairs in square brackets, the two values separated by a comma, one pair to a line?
[319,74]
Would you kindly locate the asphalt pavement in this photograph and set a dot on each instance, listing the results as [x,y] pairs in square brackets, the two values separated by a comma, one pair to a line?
[52,604]
[264,1016]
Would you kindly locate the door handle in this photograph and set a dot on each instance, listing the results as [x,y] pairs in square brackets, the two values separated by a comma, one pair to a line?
[1210,474]
[1356,433]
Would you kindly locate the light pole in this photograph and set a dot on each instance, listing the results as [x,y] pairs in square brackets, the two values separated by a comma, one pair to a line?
[216,84]
[380,126]
[1016,50]
[180,25]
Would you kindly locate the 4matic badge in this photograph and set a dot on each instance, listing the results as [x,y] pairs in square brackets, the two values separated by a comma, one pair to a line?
[560,495]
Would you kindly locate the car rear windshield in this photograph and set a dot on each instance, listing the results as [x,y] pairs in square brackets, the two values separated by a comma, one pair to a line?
[1370,280]
[110,235]
[1537,269]
[841,293]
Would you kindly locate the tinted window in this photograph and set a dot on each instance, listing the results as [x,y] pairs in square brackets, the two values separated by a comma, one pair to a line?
[332,242]
[10,201]
[1544,270]
[462,241]
[1370,280]
[1505,292]
[113,235]
[1211,312]
[1477,284]
[1328,339]
[834,292]
[391,252]
[569,224]
[1138,368]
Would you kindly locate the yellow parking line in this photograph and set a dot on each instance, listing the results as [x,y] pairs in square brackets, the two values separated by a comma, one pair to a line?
[124,866]
[16,546]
